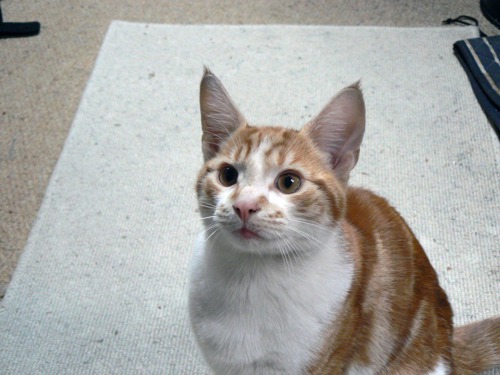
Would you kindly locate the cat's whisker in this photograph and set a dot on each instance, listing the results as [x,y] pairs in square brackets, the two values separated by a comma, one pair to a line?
[307,236]
[292,251]
[200,219]
[207,205]
[204,218]
[298,254]
[219,233]
[324,229]
[217,230]
[284,256]
[285,251]
[212,226]
[313,224]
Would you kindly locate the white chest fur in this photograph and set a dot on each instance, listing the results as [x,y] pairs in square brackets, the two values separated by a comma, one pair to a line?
[264,315]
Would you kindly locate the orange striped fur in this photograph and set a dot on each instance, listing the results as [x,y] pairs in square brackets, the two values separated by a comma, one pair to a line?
[395,318]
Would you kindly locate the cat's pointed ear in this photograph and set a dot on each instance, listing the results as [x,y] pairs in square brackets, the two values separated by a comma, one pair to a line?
[219,115]
[338,129]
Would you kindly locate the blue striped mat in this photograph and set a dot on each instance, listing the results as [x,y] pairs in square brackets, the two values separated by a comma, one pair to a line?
[480,57]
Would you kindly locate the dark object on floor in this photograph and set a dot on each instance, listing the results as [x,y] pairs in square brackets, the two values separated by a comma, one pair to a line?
[480,59]
[18,29]
[491,10]
[464,21]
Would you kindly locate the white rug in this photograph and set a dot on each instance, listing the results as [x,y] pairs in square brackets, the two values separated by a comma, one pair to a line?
[101,286]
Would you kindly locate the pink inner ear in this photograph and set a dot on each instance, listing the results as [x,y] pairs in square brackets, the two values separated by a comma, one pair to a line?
[338,129]
[219,116]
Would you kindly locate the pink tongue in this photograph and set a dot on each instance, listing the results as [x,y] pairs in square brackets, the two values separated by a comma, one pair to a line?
[247,233]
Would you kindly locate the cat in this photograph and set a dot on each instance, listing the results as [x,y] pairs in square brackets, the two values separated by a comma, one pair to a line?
[298,273]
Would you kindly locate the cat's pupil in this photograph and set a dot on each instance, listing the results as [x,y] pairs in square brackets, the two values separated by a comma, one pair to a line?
[288,183]
[228,175]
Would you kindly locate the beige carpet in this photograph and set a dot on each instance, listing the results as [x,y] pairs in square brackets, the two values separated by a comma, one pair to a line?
[101,286]
[42,78]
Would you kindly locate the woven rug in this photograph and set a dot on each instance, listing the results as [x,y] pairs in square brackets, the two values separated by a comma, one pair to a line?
[101,285]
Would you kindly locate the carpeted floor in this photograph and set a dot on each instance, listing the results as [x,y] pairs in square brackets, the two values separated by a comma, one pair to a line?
[101,286]
[42,78]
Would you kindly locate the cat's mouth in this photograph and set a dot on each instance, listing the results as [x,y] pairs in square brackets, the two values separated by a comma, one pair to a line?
[247,233]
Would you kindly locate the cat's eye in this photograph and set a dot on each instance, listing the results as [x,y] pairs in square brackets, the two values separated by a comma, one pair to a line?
[228,175]
[288,182]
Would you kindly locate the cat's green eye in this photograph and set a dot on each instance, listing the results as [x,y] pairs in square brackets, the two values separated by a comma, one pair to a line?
[288,182]
[228,175]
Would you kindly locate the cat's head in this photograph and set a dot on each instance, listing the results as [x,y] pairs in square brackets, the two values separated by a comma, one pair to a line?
[272,189]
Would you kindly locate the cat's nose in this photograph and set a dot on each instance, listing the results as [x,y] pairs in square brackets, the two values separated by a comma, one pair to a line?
[245,208]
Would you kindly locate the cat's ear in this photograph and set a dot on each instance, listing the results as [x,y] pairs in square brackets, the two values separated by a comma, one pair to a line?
[219,115]
[338,129]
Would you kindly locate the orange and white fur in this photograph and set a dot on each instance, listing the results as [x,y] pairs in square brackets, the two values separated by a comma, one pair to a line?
[298,273]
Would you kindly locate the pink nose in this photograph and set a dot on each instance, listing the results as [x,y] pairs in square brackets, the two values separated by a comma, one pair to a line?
[245,208]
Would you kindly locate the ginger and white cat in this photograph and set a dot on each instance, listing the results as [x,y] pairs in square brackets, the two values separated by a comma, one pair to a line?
[297,273]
